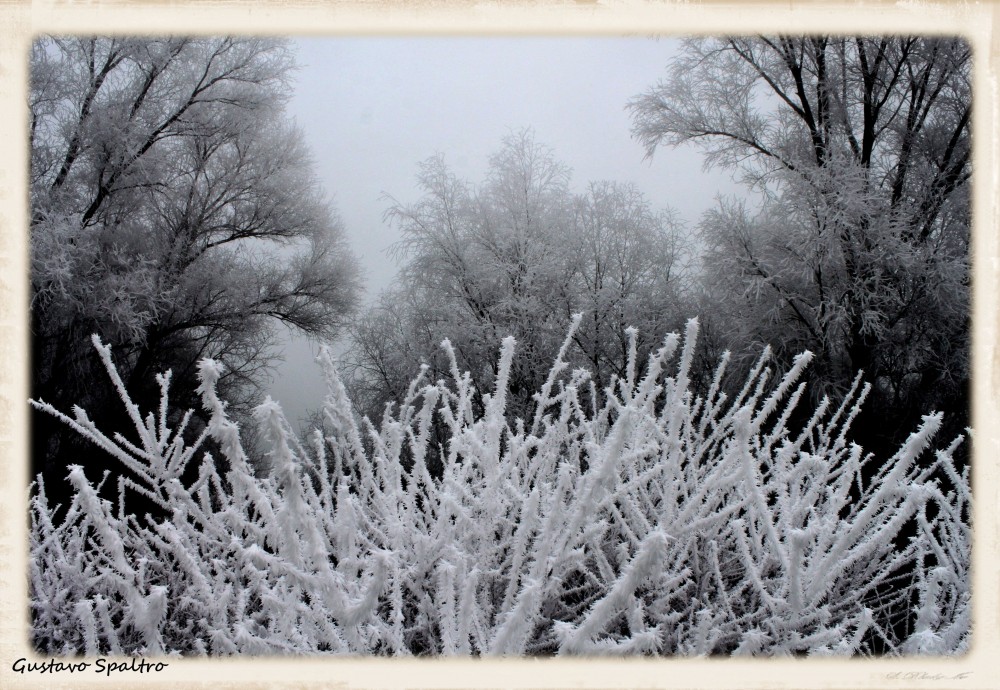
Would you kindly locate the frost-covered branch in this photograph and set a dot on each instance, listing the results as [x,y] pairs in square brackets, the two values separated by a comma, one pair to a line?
[661,522]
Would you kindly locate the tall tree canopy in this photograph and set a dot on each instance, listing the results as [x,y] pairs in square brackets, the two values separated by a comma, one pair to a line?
[857,246]
[175,212]
[518,255]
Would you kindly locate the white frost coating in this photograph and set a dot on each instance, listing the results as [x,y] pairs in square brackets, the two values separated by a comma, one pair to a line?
[649,521]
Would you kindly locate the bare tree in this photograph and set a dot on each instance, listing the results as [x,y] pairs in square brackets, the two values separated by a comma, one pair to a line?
[175,212]
[858,248]
[630,271]
[518,255]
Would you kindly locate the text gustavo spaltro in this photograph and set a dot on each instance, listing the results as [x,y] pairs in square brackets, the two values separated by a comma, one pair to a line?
[102,665]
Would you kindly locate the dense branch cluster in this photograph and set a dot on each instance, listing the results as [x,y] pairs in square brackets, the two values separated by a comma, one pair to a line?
[648,520]
[518,254]
[175,211]
[855,243]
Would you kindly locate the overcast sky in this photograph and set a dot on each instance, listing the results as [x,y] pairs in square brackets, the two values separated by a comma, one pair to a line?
[372,108]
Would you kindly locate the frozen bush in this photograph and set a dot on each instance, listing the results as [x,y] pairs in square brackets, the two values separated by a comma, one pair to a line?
[656,522]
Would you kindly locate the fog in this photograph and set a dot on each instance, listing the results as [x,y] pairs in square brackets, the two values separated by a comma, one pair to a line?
[372,108]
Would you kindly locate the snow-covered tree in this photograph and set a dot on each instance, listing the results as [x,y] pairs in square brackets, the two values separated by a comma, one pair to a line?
[174,210]
[518,254]
[629,270]
[857,244]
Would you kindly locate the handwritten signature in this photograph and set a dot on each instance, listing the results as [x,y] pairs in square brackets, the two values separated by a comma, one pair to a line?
[921,675]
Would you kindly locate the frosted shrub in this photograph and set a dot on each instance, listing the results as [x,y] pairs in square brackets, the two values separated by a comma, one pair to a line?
[654,522]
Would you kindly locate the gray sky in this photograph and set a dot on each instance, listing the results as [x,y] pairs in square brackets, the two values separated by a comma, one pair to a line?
[372,108]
